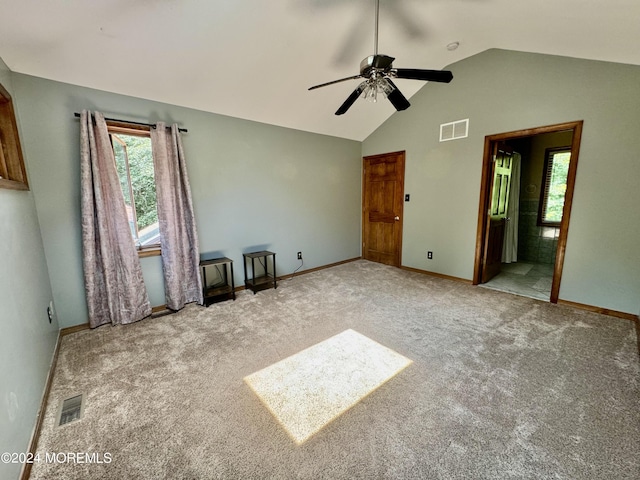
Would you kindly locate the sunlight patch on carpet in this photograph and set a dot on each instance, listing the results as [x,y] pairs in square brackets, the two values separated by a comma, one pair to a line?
[311,388]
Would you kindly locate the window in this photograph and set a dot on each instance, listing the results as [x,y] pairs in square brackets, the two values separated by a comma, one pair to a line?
[12,172]
[554,185]
[134,164]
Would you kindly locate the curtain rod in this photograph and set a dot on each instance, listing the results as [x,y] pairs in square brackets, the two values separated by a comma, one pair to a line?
[133,123]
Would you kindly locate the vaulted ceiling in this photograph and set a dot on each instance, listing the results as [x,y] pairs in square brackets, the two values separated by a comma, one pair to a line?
[255,59]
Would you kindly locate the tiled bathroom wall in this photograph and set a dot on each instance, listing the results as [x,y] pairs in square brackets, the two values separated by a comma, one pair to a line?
[535,244]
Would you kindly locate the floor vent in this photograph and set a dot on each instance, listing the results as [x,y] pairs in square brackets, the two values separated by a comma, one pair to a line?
[454,130]
[71,409]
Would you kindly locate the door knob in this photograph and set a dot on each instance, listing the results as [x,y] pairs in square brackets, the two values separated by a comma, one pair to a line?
[397,218]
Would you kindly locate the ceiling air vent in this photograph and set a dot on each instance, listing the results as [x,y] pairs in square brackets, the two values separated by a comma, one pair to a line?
[454,130]
[71,409]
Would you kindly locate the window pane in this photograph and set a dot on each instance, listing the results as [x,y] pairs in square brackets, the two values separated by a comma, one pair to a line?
[557,187]
[120,153]
[138,186]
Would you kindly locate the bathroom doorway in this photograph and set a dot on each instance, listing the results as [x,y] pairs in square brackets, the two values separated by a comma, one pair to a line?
[522,226]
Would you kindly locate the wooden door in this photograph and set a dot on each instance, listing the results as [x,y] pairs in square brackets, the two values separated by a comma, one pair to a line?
[501,184]
[382,204]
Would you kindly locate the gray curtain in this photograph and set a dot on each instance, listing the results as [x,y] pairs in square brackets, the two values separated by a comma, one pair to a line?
[114,285]
[178,235]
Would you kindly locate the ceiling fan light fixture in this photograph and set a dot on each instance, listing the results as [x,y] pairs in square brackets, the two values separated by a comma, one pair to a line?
[377,86]
[371,93]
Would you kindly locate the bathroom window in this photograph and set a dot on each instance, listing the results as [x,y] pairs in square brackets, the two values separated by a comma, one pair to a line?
[554,185]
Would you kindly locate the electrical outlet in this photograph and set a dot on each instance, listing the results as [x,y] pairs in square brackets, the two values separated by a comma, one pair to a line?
[299,255]
[50,311]
[430,255]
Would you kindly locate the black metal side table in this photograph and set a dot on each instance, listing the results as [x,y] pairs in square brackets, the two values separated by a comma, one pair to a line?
[221,289]
[264,278]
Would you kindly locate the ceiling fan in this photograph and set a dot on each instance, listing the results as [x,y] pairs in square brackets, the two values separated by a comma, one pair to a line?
[378,72]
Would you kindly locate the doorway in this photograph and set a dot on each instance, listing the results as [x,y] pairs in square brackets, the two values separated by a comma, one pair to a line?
[382,207]
[541,260]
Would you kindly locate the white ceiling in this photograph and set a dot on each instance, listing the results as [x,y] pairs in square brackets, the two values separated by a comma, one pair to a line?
[255,59]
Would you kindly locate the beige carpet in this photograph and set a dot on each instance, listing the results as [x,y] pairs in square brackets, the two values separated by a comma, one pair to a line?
[501,387]
[308,390]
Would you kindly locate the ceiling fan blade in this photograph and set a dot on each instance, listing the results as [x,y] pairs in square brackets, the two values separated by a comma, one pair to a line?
[397,99]
[351,99]
[335,81]
[443,76]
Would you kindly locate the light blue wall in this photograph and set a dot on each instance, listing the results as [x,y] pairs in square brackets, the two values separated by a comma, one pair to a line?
[502,91]
[27,339]
[253,185]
